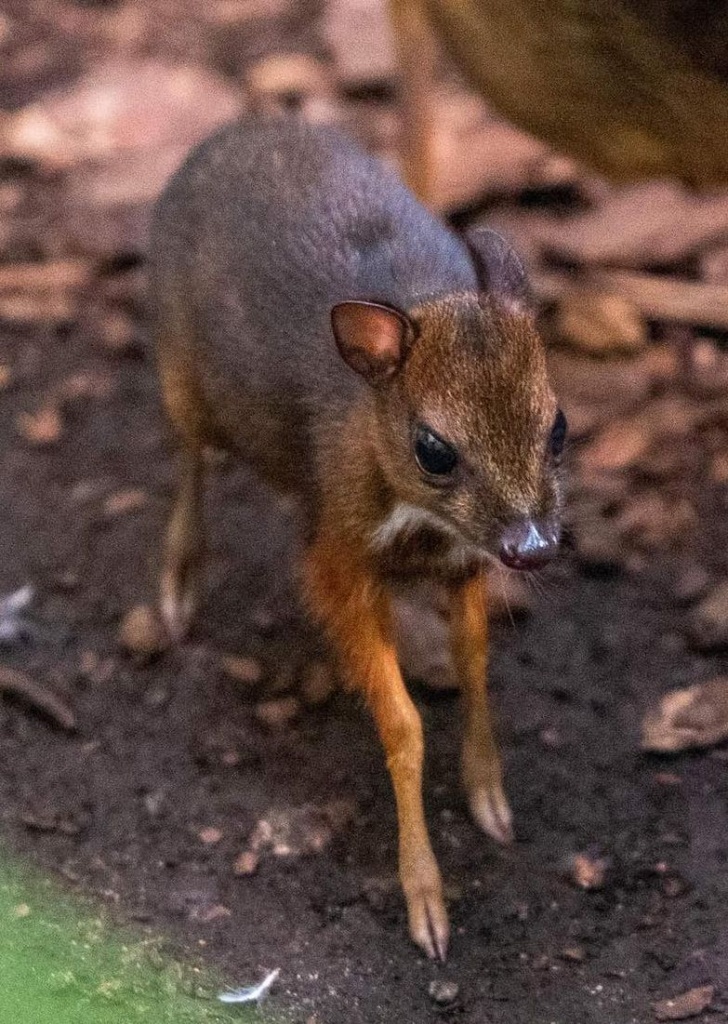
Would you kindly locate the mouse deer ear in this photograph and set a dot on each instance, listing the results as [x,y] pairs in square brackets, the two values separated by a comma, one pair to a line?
[499,269]
[372,339]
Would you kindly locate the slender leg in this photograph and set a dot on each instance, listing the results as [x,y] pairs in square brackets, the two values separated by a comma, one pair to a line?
[481,768]
[355,611]
[417,57]
[182,561]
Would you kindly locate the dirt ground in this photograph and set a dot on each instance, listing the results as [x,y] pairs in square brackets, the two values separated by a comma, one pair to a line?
[149,803]
[165,751]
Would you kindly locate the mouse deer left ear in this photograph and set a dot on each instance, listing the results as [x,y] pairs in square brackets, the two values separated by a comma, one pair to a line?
[372,338]
[499,269]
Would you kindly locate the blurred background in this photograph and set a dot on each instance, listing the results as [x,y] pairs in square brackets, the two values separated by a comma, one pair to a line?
[594,136]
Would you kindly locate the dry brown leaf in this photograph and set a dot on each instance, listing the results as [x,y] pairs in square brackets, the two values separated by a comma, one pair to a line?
[693,717]
[687,1004]
[600,323]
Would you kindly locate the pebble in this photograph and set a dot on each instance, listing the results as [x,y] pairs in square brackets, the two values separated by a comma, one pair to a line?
[243,670]
[708,622]
[444,993]
[247,863]
[588,872]
[210,835]
[141,633]
[277,714]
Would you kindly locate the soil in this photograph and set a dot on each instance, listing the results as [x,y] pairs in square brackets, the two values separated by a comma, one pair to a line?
[166,750]
[166,753]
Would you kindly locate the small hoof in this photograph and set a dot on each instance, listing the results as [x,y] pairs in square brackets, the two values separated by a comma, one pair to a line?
[491,812]
[428,922]
[176,611]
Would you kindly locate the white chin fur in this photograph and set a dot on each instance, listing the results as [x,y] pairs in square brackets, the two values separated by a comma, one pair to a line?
[405,519]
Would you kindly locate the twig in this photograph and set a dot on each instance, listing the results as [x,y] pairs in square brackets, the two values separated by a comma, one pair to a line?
[657,298]
[20,685]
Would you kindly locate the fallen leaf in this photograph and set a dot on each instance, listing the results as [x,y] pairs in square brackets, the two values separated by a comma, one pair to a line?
[693,717]
[687,1004]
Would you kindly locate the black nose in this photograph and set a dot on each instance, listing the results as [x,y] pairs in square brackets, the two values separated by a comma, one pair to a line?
[528,544]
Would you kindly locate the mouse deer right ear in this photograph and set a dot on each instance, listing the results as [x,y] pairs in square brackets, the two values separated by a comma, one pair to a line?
[372,338]
[500,269]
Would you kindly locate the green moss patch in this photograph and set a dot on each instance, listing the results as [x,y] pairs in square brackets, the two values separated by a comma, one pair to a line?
[61,963]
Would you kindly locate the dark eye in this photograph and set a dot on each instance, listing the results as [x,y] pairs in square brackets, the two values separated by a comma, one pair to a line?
[434,456]
[558,435]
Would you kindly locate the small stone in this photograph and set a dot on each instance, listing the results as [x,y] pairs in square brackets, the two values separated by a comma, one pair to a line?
[141,633]
[21,910]
[210,835]
[551,737]
[588,872]
[124,502]
[247,863]
[708,622]
[243,670]
[153,802]
[41,428]
[209,914]
[444,993]
[574,954]
[687,1004]
[277,714]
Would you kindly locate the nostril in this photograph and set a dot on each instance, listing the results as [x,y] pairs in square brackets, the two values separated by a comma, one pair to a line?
[527,545]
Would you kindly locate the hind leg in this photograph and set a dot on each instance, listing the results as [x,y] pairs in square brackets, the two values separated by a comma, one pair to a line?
[183,546]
